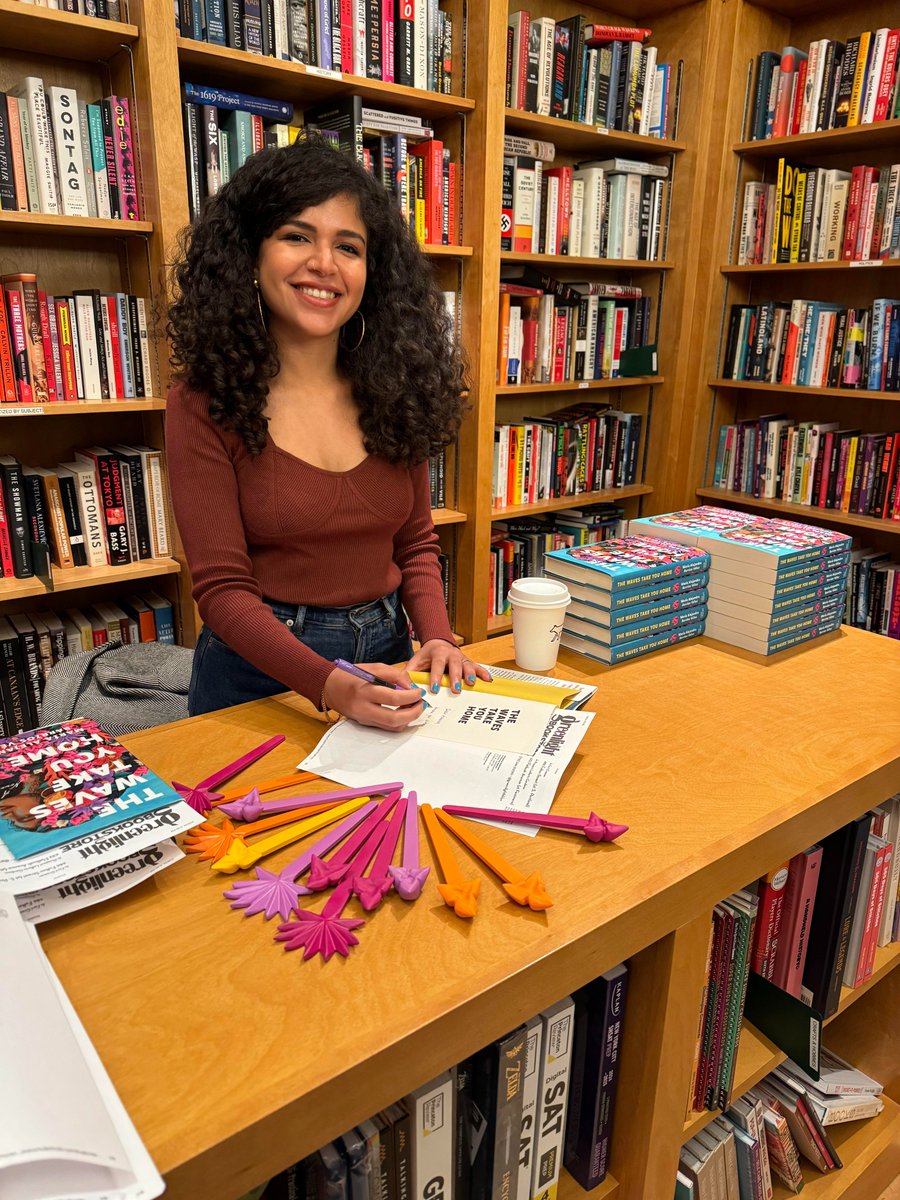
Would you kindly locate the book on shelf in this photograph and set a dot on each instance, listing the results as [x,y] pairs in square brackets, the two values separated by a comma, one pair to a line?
[59,155]
[554,1090]
[407,42]
[830,85]
[599,75]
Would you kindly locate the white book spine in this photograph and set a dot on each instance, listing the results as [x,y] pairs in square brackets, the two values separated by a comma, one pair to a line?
[590,92]
[87,162]
[576,217]
[69,158]
[530,1084]
[615,236]
[31,91]
[818,209]
[811,64]
[431,1109]
[546,27]
[826,185]
[553,1094]
[420,45]
[121,302]
[87,347]
[657,102]
[539,183]
[155,491]
[632,232]
[282,45]
[836,216]
[873,76]
[359,34]
[551,231]
[91,515]
[108,349]
[890,210]
[76,347]
[649,84]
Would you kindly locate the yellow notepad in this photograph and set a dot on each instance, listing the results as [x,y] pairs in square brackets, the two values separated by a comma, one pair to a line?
[516,688]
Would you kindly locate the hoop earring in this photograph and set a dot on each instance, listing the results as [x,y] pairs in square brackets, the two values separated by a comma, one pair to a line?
[353,349]
[262,315]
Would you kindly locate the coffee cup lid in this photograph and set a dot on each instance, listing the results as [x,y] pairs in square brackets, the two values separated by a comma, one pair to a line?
[534,591]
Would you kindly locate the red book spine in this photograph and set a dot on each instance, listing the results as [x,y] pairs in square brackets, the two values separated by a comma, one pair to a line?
[866,203]
[387,40]
[521,67]
[347,37]
[601,34]
[8,393]
[853,204]
[826,469]
[51,352]
[118,379]
[66,351]
[123,148]
[869,945]
[798,97]
[453,202]
[793,939]
[512,496]
[19,345]
[432,155]
[559,347]
[17,153]
[888,75]
[7,570]
[768,921]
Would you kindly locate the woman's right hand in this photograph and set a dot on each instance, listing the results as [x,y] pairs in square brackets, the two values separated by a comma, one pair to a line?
[372,704]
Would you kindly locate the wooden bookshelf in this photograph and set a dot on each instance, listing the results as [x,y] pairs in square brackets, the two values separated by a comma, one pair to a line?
[580,385]
[593,264]
[62,226]
[82,408]
[870,264]
[541,506]
[434,251]
[801,512]
[859,138]
[87,577]
[68,35]
[447,516]
[754,385]
[588,141]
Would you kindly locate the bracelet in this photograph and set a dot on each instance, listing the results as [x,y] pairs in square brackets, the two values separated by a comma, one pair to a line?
[324,709]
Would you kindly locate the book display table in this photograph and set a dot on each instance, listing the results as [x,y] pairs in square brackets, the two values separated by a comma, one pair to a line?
[235,1059]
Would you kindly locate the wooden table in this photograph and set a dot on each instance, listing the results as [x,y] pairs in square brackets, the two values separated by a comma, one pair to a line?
[235,1058]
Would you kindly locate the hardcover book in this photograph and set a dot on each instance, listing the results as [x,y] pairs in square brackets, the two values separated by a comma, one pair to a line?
[775,545]
[65,780]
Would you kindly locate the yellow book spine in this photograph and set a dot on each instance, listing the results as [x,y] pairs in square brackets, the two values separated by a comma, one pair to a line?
[776,222]
[521,498]
[848,478]
[859,78]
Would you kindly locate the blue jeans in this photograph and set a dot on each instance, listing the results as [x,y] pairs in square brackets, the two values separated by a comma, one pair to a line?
[373,632]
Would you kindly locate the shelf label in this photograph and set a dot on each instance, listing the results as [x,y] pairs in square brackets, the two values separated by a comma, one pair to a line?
[583,383]
[22,410]
[323,72]
[867,262]
[601,129]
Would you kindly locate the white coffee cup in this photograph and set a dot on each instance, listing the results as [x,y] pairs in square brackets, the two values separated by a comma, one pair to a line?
[538,609]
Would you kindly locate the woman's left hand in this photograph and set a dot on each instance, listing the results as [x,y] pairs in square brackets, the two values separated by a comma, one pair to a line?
[445,658]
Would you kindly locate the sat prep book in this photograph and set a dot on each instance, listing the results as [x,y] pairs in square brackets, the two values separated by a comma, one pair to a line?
[63,781]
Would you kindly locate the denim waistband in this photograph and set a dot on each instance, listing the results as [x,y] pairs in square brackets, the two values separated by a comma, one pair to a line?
[295,616]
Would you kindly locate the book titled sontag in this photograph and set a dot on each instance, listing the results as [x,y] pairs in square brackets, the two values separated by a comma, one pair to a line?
[431,1109]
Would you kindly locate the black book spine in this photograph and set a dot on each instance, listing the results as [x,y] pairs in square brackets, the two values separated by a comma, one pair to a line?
[465,1118]
[103,364]
[373,39]
[7,179]
[12,682]
[115,203]
[196,190]
[234,29]
[844,88]
[823,109]
[31,667]
[561,46]
[312,32]
[509,66]
[109,481]
[809,203]
[35,508]
[336,35]
[404,44]
[17,518]
[267,16]
[69,494]
[833,471]
[139,499]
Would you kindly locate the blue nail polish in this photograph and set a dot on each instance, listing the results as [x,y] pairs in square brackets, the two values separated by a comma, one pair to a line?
[435,687]
[470,679]
[456,687]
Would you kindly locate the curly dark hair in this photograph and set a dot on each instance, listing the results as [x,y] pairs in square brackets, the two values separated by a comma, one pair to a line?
[407,381]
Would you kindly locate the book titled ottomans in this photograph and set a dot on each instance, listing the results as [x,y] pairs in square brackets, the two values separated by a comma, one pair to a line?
[625,563]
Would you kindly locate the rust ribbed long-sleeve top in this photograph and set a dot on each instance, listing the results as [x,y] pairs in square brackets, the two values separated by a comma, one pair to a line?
[275,526]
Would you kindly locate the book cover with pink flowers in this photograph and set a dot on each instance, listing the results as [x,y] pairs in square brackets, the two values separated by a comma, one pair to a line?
[65,780]
[624,562]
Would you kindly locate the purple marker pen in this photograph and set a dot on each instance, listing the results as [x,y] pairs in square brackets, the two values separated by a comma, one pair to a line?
[360,673]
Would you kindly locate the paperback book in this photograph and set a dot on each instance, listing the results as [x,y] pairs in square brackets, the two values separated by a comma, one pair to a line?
[626,563]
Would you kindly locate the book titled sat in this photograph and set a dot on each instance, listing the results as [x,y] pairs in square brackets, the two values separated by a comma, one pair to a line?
[65,780]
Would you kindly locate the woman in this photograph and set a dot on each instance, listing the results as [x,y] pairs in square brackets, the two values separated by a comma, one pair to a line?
[315,379]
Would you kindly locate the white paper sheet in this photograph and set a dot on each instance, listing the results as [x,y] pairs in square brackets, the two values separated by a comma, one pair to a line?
[449,773]
[97,849]
[65,1134]
[100,883]
[584,690]
[492,722]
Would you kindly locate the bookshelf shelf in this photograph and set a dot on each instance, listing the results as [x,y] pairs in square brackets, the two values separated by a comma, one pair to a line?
[857,139]
[68,35]
[572,260]
[86,577]
[541,506]
[859,1144]
[82,408]
[56,224]
[789,268]
[801,511]
[581,385]
[448,516]
[271,77]
[435,251]
[590,139]
[757,1056]
[793,389]
[570,1190]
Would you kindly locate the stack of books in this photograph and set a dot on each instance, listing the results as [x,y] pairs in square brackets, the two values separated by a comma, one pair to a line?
[772,583]
[631,595]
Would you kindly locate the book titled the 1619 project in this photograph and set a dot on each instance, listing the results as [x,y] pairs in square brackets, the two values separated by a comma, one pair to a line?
[62,781]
